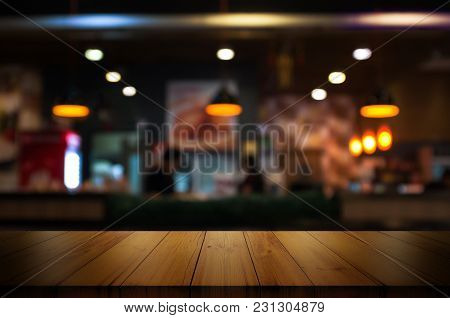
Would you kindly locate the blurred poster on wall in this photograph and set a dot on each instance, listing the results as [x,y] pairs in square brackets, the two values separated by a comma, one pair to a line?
[189,125]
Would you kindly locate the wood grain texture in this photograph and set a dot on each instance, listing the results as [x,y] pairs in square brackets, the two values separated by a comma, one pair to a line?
[226,264]
[61,270]
[424,242]
[36,257]
[22,240]
[172,263]
[366,259]
[274,265]
[225,267]
[116,264]
[426,264]
[323,267]
[441,236]
[225,261]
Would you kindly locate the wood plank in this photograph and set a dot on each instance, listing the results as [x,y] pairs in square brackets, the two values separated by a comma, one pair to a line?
[426,264]
[172,263]
[225,261]
[274,265]
[36,256]
[323,267]
[56,273]
[366,259]
[222,264]
[26,239]
[225,267]
[441,236]
[116,264]
[428,244]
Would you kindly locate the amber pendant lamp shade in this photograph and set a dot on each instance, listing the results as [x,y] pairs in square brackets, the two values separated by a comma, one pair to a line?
[72,105]
[380,105]
[224,104]
[70,111]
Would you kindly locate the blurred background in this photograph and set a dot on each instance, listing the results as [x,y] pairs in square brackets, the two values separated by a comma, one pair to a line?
[371,78]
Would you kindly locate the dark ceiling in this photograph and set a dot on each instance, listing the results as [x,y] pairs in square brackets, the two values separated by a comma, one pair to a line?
[315,52]
[149,58]
[198,6]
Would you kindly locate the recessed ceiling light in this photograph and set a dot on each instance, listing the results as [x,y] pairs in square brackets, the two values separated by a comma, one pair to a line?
[225,54]
[129,91]
[113,77]
[93,54]
[362,54]
[319,94]
[336,77]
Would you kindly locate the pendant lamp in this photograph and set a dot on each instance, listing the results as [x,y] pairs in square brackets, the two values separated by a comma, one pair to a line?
[71,106]
[380,105]
[224,104]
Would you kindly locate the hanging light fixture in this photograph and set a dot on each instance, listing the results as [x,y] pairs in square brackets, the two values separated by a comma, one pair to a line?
[379,111]
[380,105]
[384,138]
[224,104]
[70,111]
[72,105]
[369,142]
[355,146]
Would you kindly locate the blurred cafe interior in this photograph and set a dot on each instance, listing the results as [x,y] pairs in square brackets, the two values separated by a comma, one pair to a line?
[370,81]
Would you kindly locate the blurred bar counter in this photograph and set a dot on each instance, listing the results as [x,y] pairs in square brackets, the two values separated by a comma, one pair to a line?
[309,210]
[397,211]
[51,207]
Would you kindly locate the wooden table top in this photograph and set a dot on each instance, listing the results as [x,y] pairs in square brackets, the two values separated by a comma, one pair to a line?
[224,263]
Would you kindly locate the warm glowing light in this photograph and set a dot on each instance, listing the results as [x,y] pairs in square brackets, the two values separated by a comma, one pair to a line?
[397,19]
[319,94]
[225,54]
[129,91]
[355,146]
[379,111]
[223,110]
[384,138]
[362,54]
[369,142]
[93,54]
[70,111]
[336,77]
[113,77]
